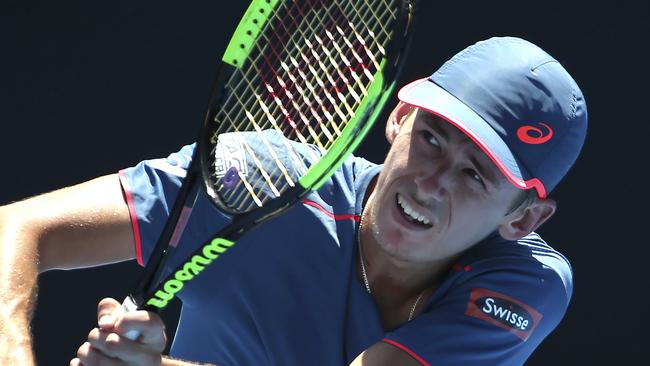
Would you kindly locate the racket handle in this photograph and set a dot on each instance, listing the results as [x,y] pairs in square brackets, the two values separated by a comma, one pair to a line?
[129,305]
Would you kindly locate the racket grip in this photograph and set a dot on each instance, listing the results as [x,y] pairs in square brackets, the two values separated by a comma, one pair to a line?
[129,305]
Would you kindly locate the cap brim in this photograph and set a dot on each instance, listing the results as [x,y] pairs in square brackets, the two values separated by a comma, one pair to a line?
[427,95]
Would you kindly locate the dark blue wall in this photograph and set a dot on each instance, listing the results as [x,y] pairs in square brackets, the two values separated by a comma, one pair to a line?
[87,88]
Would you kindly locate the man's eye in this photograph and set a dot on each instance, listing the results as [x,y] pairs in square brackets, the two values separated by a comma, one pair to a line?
[431,139]
[474,176]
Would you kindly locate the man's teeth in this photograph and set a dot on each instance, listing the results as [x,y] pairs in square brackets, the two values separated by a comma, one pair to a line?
[410,212]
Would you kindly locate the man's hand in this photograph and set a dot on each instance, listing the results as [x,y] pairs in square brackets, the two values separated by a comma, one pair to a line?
[106,347]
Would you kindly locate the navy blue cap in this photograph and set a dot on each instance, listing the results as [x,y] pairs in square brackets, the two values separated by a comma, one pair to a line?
[516,102]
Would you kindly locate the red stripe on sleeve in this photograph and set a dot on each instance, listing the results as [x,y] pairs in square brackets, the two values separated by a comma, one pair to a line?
[134,218]
[330,214]
[407,350]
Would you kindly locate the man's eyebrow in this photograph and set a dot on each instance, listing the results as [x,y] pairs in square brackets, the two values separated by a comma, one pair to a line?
[433,121]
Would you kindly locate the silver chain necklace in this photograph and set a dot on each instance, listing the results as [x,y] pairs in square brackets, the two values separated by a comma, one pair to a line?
[365,276]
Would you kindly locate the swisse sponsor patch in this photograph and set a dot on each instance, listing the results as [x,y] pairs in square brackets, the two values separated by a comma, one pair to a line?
[503,311]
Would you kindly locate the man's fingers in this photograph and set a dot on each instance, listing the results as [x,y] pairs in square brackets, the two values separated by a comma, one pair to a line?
[113,346]
[108,312]
[149,325]
[98,339]
[87,355]
[111,317]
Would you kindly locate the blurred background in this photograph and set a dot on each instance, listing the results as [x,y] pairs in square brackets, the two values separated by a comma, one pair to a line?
[87,88]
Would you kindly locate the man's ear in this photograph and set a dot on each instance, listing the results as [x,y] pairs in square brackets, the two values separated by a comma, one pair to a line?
[527,219]
[395,120]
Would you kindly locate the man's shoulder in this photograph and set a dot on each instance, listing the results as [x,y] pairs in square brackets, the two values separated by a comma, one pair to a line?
[530,256]
[347,184]
[530,246]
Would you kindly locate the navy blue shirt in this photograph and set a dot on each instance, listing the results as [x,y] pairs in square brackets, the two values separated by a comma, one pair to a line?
[287,293]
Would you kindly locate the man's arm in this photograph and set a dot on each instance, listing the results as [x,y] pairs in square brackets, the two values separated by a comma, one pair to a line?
[384,354]
[80,226]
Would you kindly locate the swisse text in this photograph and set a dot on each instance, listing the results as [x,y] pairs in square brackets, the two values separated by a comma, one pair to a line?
[190,269]
[505,312]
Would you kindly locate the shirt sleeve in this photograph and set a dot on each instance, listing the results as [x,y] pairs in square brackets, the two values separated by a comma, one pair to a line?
[150,189]
[151,186]
[496,312]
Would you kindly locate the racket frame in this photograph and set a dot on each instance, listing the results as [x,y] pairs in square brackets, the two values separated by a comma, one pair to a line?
[155,298]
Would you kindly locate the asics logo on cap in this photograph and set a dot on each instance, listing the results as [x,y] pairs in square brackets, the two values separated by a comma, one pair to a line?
[533,135]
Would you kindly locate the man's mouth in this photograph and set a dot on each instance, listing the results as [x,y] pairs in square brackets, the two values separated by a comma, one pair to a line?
[411,214]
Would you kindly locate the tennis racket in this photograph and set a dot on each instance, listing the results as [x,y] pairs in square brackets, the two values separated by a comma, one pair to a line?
[299,85]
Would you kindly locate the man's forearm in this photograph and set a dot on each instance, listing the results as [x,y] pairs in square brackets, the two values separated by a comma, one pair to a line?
[18,274]
[15,343]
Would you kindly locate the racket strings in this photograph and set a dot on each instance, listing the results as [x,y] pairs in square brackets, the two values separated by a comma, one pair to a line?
[303,62]
[305,101]
[257,70]
[317,140]
[239,198]
[279,165]
[322,71]
[345,63]
[286,90]
[302,114]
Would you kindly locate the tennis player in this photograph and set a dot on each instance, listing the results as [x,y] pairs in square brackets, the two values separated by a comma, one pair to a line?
[428,259]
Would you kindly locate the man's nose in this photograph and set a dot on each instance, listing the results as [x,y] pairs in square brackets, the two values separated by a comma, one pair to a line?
[433,180]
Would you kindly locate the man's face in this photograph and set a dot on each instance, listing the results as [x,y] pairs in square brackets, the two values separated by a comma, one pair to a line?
[438,193]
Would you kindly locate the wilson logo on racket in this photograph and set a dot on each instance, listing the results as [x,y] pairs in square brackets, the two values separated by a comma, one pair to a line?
[503,311]
[190,269]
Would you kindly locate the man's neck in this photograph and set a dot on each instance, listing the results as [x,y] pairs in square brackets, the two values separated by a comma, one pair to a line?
[399,278]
